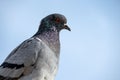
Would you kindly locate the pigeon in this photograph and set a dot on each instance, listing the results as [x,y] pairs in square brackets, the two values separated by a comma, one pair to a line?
[36,58]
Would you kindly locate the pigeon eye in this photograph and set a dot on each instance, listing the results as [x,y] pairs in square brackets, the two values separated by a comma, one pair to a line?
[57,20]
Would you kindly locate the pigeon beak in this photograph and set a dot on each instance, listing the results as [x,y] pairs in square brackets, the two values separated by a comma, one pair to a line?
[66,27]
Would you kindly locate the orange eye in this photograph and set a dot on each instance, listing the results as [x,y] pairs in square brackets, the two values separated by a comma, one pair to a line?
[57,20]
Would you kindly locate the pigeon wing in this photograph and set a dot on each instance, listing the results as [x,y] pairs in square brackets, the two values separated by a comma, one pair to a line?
[21,59]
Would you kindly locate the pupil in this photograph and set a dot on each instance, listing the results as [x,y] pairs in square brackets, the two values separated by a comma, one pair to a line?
[57,20]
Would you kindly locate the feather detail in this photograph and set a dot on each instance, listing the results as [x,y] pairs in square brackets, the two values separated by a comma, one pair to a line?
[21,60]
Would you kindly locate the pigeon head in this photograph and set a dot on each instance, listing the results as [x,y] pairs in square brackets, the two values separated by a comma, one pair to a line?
[53,22]
[49,29]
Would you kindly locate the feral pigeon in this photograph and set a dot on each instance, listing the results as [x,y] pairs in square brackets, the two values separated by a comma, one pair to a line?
[36,58]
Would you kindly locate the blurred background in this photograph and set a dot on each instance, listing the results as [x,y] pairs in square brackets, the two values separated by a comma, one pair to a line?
[91,51]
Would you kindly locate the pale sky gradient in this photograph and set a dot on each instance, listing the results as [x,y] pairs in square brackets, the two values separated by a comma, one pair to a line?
[91,51]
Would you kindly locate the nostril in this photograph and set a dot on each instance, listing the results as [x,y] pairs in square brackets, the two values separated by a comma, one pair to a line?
[45,78]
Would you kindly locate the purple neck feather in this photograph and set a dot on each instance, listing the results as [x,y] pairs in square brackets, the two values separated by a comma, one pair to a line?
[51,38]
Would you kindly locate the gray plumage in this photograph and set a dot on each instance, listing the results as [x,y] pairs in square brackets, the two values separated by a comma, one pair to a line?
[36,58]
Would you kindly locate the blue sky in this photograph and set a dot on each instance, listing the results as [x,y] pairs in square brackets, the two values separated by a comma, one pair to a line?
[91,51]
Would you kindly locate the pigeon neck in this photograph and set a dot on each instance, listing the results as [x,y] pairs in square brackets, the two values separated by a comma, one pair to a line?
[51,38]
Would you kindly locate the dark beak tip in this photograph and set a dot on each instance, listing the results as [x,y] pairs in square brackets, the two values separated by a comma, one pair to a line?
[66,27]
[69,29]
